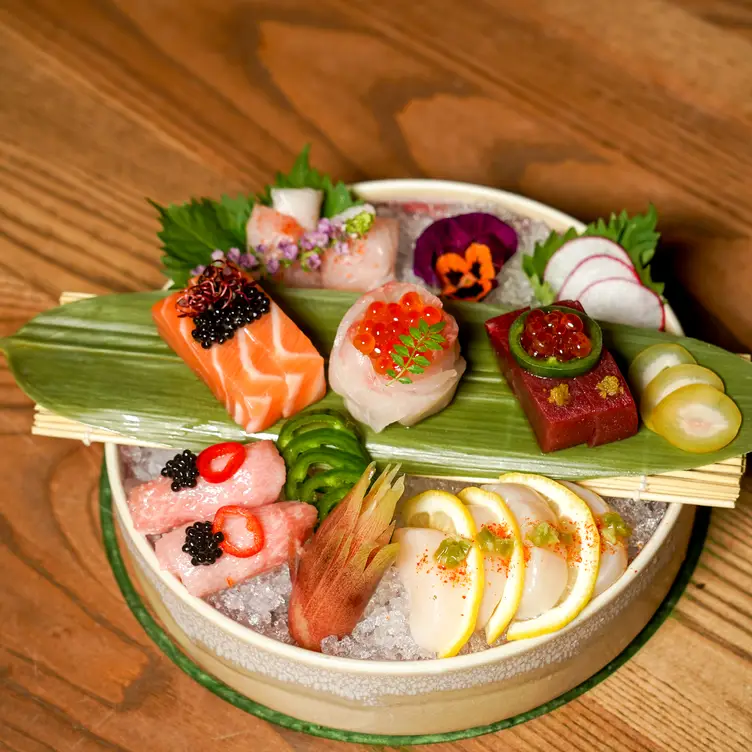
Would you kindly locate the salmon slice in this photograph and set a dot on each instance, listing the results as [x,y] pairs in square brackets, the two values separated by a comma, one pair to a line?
[284,524]
[300,362]
[267,371]
[156,508]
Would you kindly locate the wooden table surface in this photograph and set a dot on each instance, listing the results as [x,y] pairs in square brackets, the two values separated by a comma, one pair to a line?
[587,105]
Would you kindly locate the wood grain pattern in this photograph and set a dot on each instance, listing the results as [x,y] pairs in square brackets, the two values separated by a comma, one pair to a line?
[586,105]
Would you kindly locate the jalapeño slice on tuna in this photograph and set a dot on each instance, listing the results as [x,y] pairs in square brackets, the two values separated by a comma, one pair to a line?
[556,342]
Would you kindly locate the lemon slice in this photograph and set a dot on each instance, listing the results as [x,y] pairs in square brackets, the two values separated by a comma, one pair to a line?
[583,571]
[488,506]
[444,601]
[438,510]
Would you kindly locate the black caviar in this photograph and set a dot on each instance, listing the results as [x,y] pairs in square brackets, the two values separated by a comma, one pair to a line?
[202,544]
[217,325]
[182,469]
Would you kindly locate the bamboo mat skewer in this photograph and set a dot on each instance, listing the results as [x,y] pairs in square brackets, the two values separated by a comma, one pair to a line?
[716,485]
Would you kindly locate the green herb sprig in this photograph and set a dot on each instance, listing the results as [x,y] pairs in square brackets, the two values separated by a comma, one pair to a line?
[636,235]
[409,357]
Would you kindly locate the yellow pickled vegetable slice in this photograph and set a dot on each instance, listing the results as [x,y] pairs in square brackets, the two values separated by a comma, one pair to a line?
[671,379]
[654,359]
[697,418]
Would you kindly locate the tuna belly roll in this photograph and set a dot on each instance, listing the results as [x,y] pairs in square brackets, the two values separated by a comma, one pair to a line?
[255,360]
[396,358]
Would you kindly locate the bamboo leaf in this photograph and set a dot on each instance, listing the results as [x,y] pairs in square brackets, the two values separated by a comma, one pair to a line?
[100,361]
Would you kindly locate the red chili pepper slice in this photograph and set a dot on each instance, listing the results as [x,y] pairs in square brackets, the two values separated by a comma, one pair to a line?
[251,524]
[235,454]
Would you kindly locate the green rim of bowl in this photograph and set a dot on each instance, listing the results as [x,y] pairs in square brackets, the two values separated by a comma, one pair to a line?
[185,664]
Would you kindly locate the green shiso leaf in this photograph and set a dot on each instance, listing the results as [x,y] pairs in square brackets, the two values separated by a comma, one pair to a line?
[636,235]
[191,231]
[101,361]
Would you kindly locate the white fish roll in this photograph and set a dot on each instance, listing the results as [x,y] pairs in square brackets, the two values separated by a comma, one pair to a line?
[376,400]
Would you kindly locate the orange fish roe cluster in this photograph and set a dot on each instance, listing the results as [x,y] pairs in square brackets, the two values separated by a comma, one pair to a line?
[379,331]
[555,334]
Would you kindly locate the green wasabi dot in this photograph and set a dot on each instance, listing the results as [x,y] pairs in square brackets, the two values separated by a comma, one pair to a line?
[543,535]
[614,528]
[494,545]
[452,552]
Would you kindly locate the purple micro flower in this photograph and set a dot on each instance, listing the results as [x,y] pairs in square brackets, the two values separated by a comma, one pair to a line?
[341,247]
[272,265]
[248,260]
[456,235]
[233,255]
[197,270]
[217,255]
[306,243]
[313,261]
[325,225]
[288,249]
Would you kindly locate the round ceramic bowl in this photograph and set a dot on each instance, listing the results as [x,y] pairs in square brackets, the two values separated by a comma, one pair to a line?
[414,697]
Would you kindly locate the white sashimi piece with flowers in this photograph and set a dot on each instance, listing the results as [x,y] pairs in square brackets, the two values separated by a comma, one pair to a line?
[369,262]
[353,250]
[376,399]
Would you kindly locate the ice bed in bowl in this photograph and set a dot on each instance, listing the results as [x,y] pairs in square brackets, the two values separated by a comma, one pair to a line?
[435,696]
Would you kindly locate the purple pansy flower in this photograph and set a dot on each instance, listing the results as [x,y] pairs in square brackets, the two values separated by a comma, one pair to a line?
[456,235]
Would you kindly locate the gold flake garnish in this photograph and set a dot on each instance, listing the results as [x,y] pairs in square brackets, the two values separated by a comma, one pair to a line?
[609,386]
[559,395]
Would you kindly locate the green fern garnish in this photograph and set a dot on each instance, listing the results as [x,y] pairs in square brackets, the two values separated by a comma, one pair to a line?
[410,356]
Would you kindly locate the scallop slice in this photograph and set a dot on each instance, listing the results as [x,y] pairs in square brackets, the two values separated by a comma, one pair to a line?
[546,571]
[654,359]
[443,602]
[671,379]
[613,555]
[697,418]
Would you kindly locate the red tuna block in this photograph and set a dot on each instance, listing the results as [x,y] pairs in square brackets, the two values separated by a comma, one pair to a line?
[595,408]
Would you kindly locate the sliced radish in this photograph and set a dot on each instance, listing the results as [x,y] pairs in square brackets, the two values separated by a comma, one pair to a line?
[594,269]
[564,261]
[623,301]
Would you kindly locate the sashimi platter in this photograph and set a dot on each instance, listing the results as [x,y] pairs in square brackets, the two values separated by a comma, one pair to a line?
[404,423]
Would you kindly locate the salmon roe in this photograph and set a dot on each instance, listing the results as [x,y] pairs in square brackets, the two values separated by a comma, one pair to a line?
[384,323]
[556,334]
